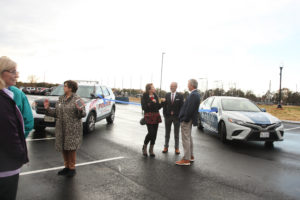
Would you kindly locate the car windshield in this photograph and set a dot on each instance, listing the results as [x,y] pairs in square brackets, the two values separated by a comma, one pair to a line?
[83,91]
[239,105]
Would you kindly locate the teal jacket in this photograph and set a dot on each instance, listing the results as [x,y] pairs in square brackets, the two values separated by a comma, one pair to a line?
[25,108]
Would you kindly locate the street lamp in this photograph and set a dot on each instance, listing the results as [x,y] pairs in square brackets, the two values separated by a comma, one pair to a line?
[279,99]
[206,91]
[161,72]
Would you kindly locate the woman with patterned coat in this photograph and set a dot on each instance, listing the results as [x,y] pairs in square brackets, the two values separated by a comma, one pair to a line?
[68,111]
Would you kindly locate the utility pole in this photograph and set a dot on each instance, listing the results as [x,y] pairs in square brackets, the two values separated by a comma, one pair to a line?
[141,79]
[161,72]
[279,99]
[269,95]
[206,91]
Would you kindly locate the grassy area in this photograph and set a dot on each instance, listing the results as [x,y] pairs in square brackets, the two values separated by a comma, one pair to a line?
[287,113]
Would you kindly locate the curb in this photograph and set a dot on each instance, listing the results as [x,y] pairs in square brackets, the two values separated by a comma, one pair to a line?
[291,122]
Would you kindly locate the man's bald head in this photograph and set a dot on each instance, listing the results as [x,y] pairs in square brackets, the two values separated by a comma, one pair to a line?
[173,87]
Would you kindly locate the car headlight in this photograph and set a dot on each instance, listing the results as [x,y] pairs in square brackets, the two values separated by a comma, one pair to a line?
[236,121]
[33,106]
[278,124]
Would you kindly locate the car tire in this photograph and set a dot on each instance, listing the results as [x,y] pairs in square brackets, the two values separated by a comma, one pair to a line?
[269,144]
[223,132]
[39,128]
[111,118]
[89,125]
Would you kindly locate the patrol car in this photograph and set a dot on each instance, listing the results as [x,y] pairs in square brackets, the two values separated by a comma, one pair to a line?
[235,118]
[97,108]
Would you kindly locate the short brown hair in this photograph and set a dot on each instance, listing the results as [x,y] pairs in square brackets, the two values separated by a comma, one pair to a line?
[148,87]
[72,85]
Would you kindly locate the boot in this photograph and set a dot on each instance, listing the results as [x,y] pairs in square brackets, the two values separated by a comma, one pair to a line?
[151,151]
[144,150]
[165,150]
[63,172]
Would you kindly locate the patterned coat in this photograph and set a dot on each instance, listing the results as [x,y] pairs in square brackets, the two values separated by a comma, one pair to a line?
[68,129]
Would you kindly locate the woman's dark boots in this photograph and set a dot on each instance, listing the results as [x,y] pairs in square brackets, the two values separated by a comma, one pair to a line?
[151,151]
[144,150]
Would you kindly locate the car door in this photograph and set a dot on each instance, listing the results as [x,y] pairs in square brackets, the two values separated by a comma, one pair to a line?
[107,104]
[205,114]
[99,102]
[214,115]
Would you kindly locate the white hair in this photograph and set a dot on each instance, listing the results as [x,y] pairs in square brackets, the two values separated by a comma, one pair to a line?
[5,64]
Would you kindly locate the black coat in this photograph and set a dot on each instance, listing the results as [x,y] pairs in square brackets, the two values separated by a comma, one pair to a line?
[174,107]
[148,105]
[13,149]
[190,108]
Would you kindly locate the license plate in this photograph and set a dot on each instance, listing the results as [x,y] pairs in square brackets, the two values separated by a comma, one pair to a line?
[264,134]
[49,119]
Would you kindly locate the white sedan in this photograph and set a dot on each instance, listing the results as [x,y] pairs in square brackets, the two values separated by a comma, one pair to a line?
[235,118]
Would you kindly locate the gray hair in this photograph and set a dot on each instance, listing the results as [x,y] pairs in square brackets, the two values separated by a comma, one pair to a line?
[5,64]
[194,83]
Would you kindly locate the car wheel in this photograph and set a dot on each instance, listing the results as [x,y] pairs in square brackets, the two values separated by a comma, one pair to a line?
[269,144]
[90,123]
[39,128]
[111,118]
[223,132]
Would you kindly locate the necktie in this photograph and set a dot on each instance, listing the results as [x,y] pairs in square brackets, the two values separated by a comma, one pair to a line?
[172,99]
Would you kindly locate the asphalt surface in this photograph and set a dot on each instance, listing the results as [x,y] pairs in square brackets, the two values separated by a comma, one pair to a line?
[239,170]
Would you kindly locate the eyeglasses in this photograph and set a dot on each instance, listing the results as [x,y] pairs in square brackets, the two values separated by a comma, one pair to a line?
[14,72]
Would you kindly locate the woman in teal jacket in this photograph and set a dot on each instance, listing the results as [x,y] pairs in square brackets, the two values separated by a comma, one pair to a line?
[24,106]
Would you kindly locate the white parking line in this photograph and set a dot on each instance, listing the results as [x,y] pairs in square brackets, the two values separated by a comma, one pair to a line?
[77,165]
[292,129]
[30,140]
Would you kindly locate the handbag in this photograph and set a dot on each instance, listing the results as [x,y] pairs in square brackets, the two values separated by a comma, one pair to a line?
[143,121]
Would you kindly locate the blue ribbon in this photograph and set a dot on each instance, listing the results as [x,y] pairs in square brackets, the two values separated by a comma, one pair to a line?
[138,104]
[205,110]
[118,101]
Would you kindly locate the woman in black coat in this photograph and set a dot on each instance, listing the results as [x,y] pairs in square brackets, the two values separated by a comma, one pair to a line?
[151,107]
[13,149]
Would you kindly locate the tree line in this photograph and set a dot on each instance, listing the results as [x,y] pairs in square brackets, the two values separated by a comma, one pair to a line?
[288,97]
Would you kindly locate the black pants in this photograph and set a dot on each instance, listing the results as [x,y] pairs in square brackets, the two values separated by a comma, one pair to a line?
[168,123]
[9,187]
[152,133]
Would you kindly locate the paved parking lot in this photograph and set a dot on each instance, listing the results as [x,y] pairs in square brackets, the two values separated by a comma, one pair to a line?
[112,167]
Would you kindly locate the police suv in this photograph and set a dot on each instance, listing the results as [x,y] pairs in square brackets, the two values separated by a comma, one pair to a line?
[96,108]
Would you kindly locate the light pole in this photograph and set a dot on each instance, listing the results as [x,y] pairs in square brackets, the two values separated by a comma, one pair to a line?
[279,99]
[206,91]
[161,72]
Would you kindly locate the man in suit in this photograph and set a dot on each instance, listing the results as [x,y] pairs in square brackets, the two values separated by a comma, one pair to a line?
[188,117]
[171,108]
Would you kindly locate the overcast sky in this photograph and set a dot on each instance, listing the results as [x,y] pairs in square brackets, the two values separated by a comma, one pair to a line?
[232,42]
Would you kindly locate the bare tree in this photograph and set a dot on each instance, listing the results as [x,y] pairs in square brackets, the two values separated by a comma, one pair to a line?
[32,79]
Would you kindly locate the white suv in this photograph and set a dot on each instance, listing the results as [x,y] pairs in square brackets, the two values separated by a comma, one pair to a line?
[96,108]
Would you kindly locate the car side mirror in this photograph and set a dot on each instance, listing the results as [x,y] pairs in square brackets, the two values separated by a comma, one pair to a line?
[263,110]
[93,96]
[214,109]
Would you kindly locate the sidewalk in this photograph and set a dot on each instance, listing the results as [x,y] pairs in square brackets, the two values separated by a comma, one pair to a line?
[291,122]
